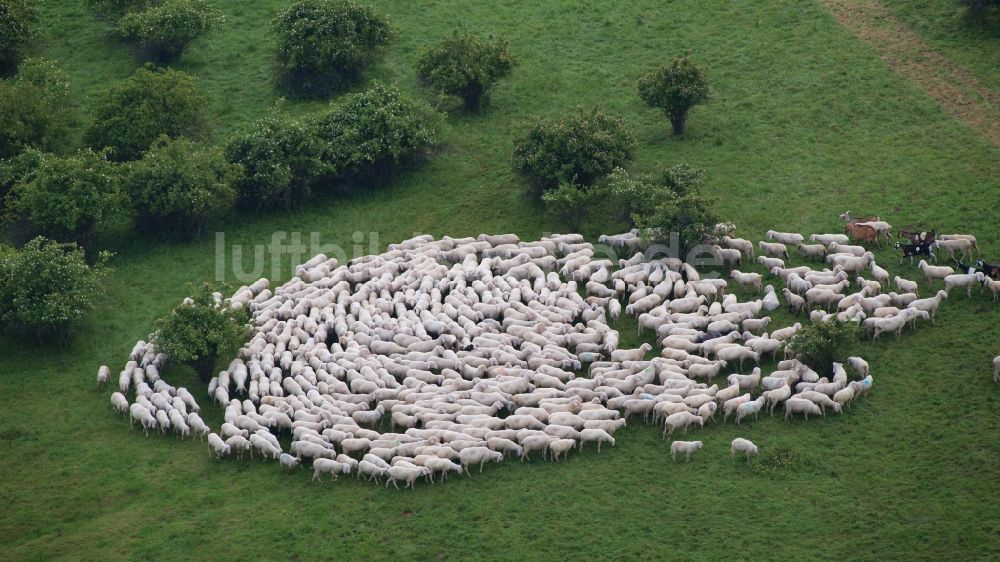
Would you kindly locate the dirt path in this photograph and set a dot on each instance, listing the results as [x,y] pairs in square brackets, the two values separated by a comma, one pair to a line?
[952,86]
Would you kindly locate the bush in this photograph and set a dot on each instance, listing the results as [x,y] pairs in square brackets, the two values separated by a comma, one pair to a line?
[570,204]
[466,66]
[820,344]
[112,10]
[46,287]
[20,169]
[18,25]
[178,187]
[980,5]
[578,149]
[36,109]
[674,207]
[279,158]
[370,133]
[675,89]
[201,330]
[69,198]
[150,103]
[165,30]
[324,44]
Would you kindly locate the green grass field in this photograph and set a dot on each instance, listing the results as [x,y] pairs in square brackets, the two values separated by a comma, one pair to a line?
[805,122]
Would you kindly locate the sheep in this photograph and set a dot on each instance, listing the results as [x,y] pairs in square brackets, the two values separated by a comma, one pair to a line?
[478,455]
[790,238]
[744,446]
[560,446]
[730,406]
[932,272]
[744,246]
[929,305]
[596,435]
[827,239]
[776,396]
[996,369]
[745,382]
[287,462]
[747,279]
[119,402]
[859,365]
[770,263]
[406,474]
[844,396]
[801,406]
[103,376]
[905,285]
[444,466]
[993,286]
[796,303]
[329,466]
[707,411]
[963,280]
[217,445]
[686,447]
[752,407]
[960,245]
[773,249]
[631,354]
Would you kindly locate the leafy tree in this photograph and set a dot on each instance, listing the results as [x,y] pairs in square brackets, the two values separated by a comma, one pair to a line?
[201,330]
[278,158]
[580,148]
[640,195]
[36,109]
[112,10]
[371,132]
[165,30]
[675,89]
[150,103]
[466,66]
[178,187]
[821,343]
[18,25]
[571,204]
[70,198]
[677,214]
[46,287]
[20,169]
[324,44]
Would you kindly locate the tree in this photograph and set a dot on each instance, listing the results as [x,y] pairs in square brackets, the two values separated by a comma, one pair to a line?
[36,109]
[324,44]
[278,159]
[178,187]
[369,133]
[46,287]
[70,198]
[466,66]
[165,30]
[821,343]
[571,204]
[675,210]
[18,25]
[580,149]
[150,103]
[675,89]
[200,330]
[19,169]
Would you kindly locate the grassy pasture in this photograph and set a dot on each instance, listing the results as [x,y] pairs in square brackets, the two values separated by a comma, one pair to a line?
[805,123]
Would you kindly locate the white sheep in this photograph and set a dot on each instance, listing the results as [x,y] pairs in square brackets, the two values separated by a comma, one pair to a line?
[996,369]
[287,462]
[217,445]
[596,435]
[753,407]
[932,272]
[329,466]
[801,406]
[747,279]
[744,446]
[686,447]
[859,365]
[905,285]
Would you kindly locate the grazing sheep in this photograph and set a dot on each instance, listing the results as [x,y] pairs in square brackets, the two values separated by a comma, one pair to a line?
[996,369]
[791,238]
[478,455]
[801,406]
[287,462]
[329,466]
[217,445]
[119,402]
[859,365]
[597,435]
[747,279]
[932,272]
[905,285]
[963,280]
[686,447]
[773,249]
[752,407]
[744,446]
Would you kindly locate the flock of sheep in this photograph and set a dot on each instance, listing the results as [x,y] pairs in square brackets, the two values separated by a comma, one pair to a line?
[472,349]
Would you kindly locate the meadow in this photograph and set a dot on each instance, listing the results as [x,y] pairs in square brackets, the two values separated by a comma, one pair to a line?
[805,122]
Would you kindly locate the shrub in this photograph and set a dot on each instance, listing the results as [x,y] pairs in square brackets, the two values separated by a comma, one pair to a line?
[324,44]
[150,103]
[36,109]
[466,66]
[178,187]
[676,209]
[18,25]
[579,149]
[165,30]
[20,169]
[69,198]
[980,5]
[201,330]
[279,158]
[371,132]
[820,344]
[112,10]
[675,89]
[570,204]
[46,287]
